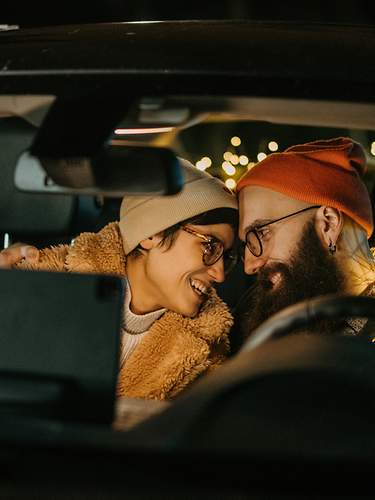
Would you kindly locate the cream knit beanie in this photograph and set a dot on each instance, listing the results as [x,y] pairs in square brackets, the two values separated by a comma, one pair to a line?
[144,216]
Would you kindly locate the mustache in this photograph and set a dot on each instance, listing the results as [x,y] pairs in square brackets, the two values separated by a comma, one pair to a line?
[263,278]
[260,289]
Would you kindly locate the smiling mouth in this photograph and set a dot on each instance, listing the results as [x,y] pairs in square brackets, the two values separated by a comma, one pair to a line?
[199,288]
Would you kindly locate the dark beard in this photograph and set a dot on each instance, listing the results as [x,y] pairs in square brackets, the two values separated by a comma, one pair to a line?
[312,271]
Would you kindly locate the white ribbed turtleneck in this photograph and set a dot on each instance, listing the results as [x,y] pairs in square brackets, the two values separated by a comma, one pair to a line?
[135,326]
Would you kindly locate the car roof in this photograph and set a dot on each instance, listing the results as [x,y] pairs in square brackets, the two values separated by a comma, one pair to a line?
[283,69]
[258,58]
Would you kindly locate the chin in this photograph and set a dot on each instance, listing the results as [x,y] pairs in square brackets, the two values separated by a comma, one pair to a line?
[191,314]
[189,311]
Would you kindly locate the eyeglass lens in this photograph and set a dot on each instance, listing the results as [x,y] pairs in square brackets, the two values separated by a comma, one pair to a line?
[254,244]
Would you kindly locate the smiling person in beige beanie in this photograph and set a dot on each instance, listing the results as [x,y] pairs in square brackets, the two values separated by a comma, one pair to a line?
[171,251]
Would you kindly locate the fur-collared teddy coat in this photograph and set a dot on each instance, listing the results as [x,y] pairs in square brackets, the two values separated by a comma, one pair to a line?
[176,349]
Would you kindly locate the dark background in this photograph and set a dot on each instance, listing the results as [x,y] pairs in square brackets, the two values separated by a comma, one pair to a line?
[38,13]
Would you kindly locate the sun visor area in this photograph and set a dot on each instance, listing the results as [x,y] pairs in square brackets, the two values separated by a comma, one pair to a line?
[33,108]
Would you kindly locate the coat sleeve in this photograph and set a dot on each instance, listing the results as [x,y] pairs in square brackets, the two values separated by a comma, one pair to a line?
[50,259]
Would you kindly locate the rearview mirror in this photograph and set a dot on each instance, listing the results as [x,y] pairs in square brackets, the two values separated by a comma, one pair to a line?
[116,171]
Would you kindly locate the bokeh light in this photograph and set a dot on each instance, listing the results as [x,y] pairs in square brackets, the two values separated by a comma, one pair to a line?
[244,160]
[235,141]
[230,183]
[228,168]
[261,156]
[273,146]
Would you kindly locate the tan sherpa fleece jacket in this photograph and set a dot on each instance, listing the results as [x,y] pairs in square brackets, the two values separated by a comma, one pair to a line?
[177,349]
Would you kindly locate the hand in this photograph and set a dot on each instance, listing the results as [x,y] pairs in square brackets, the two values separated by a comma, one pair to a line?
[15,253]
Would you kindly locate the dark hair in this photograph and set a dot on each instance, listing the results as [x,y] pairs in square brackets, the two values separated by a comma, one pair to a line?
[215,216]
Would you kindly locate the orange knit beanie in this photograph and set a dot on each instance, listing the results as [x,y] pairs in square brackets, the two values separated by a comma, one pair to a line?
[326,172]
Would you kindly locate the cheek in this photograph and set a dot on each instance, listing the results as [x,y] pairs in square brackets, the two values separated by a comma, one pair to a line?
[285,243]
[184,259]
[175,264]
[164,267]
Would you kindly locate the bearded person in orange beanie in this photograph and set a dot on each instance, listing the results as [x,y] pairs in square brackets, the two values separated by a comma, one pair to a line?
[305,220]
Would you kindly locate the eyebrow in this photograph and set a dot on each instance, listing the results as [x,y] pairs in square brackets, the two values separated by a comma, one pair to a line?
[257,223]
[217,238]
[211,235]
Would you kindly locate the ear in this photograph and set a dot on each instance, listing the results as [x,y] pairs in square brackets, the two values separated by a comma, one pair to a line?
[149,243]
[329,223]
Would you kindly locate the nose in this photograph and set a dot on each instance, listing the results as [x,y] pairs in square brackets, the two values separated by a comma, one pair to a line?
[216,271]
[253,264]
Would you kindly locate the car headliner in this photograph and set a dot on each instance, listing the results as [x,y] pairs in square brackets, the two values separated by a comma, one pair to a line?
[259,58]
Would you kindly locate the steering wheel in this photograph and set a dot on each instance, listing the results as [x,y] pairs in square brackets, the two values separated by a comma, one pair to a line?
[304,313]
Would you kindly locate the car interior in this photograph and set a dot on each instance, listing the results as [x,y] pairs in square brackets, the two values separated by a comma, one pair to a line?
[285,415]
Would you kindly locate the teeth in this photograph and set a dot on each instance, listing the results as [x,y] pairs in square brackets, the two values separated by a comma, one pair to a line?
[199,286]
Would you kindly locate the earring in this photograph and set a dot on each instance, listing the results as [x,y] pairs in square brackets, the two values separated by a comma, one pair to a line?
[331,247]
